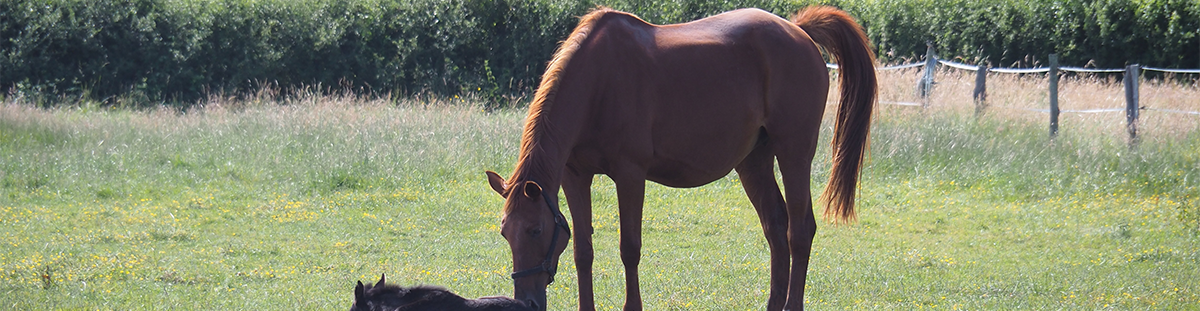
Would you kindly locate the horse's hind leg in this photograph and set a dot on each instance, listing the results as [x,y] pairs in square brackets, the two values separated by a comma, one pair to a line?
[795,153]
[757,173]
[578,189]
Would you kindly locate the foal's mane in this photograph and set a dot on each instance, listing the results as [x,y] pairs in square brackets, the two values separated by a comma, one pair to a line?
[543,99]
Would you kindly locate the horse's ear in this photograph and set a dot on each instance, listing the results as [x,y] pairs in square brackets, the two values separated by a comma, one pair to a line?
[533,190]
[496,181]
[381,280]
[359,292]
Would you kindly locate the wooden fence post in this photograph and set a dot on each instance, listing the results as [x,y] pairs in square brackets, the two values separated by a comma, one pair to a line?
[980,92]
[1054,111]
[1132,74]
[925,85]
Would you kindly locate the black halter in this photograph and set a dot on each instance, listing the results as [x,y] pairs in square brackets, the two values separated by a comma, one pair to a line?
[548,265]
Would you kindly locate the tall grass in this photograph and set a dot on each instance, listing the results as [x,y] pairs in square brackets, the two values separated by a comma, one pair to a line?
[1096,144]
[215,205]
[284,203]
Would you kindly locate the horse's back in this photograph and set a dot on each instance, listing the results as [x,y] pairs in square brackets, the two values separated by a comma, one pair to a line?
[736,60]
[689,101]
[730,28]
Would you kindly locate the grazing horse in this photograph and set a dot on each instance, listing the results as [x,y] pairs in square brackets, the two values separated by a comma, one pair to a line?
[682,105]
[389,297]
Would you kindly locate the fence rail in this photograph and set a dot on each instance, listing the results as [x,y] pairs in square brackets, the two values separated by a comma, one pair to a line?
[925,84]
[1172,70]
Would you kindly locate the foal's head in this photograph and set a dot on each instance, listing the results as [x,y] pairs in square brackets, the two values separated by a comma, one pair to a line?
[382,297]
[537,233]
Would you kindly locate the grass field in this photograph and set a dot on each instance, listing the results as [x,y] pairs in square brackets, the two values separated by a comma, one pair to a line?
[259,204]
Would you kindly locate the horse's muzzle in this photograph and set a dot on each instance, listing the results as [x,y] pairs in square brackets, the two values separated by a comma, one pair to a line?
[535,300]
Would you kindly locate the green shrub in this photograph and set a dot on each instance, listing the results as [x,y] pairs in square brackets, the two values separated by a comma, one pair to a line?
[149,52]
[1101,33]
[181,50]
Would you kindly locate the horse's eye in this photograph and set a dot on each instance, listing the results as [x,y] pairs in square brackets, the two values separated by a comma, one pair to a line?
[535,232]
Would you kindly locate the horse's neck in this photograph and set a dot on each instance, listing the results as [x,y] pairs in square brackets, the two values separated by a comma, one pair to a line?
[543,167]
[562,122]
[551,148]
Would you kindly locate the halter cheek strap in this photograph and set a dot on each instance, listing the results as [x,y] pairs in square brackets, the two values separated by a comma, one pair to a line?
[548,265]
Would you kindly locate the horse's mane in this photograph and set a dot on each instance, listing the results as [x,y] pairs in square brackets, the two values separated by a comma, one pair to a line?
[543,99]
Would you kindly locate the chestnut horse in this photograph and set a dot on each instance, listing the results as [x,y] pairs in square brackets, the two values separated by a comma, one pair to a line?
[682,105]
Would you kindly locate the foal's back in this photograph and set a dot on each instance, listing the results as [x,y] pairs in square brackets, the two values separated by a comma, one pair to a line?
[390,297]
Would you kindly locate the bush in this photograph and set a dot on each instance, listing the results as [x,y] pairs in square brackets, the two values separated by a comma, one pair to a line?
[1100,33]
[176,51]
[179,51]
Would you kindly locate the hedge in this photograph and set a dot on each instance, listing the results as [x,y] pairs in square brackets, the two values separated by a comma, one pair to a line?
[181,50]
[177,51]
[1100,33]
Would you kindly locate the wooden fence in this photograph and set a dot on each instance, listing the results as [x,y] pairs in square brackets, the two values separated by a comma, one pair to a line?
[979,93]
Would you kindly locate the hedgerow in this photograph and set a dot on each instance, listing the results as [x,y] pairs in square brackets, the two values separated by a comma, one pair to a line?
[177,51]
[1100,33]
[180,50]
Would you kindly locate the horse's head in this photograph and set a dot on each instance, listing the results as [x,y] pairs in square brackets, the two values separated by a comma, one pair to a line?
[537,233]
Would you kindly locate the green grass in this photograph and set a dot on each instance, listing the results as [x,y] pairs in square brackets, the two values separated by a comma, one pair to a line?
[282,206]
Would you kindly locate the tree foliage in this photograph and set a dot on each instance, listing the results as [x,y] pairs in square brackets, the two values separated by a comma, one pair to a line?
[176,51]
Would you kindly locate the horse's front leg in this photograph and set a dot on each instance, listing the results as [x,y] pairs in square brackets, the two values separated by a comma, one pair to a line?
[631,191]
[578,189]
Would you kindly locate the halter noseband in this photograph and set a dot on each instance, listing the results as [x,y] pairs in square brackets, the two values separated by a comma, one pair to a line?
[548,265]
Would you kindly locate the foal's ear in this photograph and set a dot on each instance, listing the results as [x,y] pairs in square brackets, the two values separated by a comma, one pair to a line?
[381,280]
[533,190]
[496,181]
[359,292]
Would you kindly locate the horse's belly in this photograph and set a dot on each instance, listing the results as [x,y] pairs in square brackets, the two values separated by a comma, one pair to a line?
[680,175]
[697,164]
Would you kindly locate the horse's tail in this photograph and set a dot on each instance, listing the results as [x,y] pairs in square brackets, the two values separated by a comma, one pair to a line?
[846,42]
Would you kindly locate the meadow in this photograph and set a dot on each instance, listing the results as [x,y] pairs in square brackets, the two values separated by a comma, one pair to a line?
[283,203]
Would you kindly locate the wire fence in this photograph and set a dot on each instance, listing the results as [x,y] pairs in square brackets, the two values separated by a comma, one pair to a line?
[1132,108]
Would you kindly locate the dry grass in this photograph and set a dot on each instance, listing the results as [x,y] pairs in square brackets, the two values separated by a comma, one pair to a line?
[1014,97]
